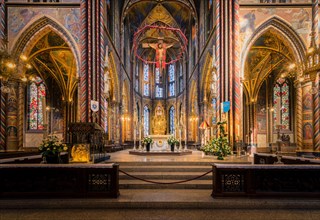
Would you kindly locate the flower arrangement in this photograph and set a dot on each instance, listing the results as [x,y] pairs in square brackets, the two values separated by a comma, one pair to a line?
[172,140]
[218,146]
[147,140]
[51,146]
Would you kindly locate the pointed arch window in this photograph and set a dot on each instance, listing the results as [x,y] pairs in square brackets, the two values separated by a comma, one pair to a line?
[171,80]
[36,99]
[281,102]
[146,80]
[159,89]
[146,114]
[180,79]
[171,120]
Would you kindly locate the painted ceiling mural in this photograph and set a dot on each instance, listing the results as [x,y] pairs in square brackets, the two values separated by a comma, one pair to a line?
[298,18]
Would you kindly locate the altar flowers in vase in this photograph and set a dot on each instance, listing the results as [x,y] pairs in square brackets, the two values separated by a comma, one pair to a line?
[147,141]
[172,141]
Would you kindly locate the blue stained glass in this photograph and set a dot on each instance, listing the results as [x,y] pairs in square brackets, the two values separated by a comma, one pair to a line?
[159,92]
[171,120]
[146,72]
[157,75]
[171,73]
[146,79]
[146,115]
[171,81]
[171,89]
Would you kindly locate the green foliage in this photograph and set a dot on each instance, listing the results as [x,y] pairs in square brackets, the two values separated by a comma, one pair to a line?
[147,140]
[51,146]
[218,146]
[172,140]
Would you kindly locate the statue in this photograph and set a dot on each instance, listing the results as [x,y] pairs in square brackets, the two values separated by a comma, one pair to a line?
[106,58]
[106,84]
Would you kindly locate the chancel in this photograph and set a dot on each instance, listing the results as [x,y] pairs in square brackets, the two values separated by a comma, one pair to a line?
[166,102]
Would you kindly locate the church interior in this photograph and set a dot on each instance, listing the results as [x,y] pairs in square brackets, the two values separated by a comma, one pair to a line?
[162,83]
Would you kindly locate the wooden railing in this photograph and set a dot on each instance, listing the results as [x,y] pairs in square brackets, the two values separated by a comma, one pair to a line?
[32,159]
[59,180]
[261,158]
[266,180]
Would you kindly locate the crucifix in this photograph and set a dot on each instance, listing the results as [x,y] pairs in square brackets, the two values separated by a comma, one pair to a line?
[161,50]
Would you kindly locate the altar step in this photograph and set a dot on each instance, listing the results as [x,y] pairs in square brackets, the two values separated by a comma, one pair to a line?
[165,172]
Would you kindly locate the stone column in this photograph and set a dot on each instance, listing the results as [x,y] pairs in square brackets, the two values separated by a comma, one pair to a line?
[316,114]
[299,116]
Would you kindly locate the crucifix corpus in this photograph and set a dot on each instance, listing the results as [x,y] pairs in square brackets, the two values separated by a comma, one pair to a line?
[161,50]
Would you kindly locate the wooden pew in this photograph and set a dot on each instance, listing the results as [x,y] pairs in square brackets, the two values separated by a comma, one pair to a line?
[265,180]
[59,180]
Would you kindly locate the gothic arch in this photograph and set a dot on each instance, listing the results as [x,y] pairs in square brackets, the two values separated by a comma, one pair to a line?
[114,78]
[285,30]
[205,76]
[129,3]
[39,28]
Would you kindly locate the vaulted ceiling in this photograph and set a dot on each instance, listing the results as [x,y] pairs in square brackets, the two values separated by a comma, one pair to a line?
[178,14]
[271,54]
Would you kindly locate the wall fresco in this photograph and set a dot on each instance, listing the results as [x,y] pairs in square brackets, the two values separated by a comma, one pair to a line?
[21,17]
[299,18]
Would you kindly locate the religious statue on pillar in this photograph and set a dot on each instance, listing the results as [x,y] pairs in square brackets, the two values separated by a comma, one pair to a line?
[107,79]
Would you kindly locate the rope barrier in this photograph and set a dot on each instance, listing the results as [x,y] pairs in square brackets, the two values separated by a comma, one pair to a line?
[154,182]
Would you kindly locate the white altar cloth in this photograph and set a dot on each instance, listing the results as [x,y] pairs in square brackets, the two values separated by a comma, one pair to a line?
[160,143]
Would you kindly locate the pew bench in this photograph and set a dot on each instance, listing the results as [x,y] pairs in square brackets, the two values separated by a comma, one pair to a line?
[59,180]
[265,180]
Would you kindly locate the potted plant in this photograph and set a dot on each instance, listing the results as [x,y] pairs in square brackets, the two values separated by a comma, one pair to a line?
[172,141]
[50,148]
[147,141]
[218,146]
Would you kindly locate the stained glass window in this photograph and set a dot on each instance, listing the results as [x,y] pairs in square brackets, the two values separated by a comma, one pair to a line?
[159,89]
[146,79]
[146,115]
[37,94]
[281,102]
[180,79]
[171,80]
[171,120]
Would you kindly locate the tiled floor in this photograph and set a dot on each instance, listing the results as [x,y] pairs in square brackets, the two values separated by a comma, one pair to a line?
[161,203]
[196,156]
[158,214]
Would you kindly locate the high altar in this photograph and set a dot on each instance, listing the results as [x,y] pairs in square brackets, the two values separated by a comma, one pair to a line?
[160,142]
[159,136]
